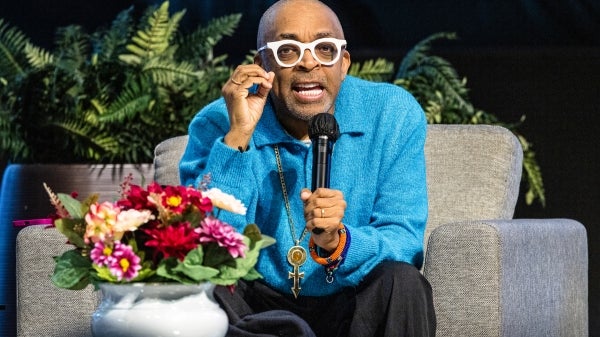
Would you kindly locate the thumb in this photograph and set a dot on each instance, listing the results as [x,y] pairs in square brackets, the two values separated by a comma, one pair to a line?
[305,194]
[263,90]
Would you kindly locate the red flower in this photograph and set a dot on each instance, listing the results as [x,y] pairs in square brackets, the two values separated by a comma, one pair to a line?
[136,198]
[197,199]
[174,240]
[175,199]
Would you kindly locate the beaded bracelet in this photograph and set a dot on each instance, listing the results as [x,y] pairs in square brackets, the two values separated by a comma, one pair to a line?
[336,256]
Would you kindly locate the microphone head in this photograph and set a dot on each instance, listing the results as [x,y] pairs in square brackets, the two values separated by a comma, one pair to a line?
[323,124]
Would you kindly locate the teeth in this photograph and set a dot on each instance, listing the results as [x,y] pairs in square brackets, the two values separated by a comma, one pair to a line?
[313,92]
[307,85]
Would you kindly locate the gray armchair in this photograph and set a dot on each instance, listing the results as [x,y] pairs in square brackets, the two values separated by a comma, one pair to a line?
[491,275]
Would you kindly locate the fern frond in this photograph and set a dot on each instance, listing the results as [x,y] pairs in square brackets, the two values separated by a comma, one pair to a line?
[442,74]
[12,44]
[72,47]
[133,100]
[199,43]
[533,176]
[419,52]
[87,141]
[380,70]
[38,58]
[168,73]
[12,142]
[155,38]
[107,44]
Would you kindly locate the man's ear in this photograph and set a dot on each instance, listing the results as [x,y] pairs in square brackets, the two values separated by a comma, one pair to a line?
[345,63]
[258,59]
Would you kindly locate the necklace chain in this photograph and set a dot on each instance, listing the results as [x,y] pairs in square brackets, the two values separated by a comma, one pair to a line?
[287,200]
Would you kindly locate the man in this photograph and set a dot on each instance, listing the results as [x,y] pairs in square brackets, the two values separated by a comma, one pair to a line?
[361,278]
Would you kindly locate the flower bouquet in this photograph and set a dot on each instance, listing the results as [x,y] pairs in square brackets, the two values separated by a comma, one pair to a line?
[154,234]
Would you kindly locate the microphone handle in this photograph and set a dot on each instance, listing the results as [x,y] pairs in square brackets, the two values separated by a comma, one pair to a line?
[322,149]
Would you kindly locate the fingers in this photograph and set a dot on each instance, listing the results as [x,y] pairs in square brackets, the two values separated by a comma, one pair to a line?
[245,76]
[245,107]
[323,210]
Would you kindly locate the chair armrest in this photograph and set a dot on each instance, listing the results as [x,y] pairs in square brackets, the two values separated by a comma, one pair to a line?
[167,155]
[509,278]
[42,308]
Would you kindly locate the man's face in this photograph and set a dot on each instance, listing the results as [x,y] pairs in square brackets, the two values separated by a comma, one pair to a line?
[307,88]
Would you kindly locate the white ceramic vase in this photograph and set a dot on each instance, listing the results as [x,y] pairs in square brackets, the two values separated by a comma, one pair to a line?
[153,310]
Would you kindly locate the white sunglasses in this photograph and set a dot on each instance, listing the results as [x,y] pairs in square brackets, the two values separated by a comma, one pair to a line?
[288,53]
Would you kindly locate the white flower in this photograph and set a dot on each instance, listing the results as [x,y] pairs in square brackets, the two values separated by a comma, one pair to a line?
[130,220]
[225,201]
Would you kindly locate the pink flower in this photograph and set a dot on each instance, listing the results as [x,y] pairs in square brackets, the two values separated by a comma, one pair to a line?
[124,264]
[214,230]
[101,254]
[100,220]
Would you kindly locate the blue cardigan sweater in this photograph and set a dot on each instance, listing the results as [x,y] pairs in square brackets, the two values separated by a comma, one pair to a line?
[378,163]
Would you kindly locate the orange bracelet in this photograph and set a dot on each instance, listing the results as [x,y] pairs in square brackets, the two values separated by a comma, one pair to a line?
[336,255]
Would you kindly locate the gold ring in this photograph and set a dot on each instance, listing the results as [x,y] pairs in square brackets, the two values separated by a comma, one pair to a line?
[234,81]
[322,213]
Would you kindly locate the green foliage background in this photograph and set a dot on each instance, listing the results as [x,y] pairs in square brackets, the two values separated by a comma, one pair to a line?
[113,95]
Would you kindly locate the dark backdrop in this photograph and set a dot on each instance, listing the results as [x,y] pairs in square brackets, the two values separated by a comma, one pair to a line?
[521,57]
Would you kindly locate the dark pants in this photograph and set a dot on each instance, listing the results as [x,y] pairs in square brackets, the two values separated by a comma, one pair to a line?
[393,300]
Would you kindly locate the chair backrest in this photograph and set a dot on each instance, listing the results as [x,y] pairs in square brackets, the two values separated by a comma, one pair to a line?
[167,155]
[473,171]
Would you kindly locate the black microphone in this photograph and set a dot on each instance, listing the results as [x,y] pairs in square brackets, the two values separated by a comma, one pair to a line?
[323,131]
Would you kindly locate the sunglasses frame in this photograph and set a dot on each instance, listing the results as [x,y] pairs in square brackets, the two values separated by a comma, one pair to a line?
[340,44]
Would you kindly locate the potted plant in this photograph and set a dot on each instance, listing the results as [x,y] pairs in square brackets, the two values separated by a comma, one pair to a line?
[156,254]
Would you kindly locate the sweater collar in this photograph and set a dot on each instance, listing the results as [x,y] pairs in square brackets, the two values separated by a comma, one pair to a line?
[269,131]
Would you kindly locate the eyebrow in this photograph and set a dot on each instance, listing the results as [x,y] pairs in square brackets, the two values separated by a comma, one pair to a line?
[289,36]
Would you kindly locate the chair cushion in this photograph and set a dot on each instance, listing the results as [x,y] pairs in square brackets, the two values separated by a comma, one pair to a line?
[43,309]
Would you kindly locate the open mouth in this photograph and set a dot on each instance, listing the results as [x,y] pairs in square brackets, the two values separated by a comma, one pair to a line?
[308,90]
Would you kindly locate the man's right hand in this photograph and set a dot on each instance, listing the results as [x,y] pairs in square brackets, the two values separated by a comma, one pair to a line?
[245,108]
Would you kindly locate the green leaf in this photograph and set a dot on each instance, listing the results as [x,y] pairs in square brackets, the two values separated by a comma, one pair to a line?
[252,231]
[73,229]
[215,256]
[267,241]
[72,205]
[165,269]
[71,270]
[243,266]
[252,275]
[192,266]
[104,274]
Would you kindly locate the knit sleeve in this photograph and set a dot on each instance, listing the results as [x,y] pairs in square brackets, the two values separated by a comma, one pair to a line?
[207,155]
